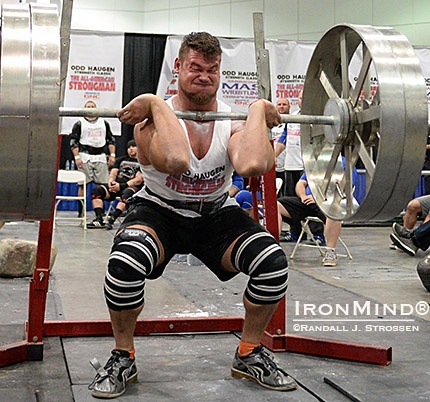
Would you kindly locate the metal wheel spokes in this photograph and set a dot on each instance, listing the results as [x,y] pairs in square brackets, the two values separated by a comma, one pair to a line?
[370,80]
[29,102]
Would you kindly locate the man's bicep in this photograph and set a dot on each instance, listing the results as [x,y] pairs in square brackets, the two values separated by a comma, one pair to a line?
[233,145]
[143,133]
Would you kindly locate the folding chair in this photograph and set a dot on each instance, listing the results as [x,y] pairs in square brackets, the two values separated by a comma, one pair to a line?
[306,229]
[77,177]
[111,208]
[112,205]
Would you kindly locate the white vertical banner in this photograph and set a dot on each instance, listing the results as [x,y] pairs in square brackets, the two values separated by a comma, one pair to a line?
[238,85]
[168,82]
[423,55]
[95,72]
[288,64]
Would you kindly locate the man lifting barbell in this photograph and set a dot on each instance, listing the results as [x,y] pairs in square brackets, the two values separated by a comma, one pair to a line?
[184,208]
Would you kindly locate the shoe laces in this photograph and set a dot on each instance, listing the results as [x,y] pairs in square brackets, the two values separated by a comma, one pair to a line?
[268,359]
[109,367]
[108,370]
[271,363]
[330,255]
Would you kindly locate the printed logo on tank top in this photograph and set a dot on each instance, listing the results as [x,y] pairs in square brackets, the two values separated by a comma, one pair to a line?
[94,132]
[197,183]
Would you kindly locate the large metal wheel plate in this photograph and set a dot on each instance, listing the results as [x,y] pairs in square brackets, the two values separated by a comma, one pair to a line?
[370,80]
[29,102]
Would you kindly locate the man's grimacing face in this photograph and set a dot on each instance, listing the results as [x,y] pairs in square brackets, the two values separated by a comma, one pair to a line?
[198,77]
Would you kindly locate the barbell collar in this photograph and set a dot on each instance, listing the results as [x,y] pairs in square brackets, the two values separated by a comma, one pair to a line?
[199,115]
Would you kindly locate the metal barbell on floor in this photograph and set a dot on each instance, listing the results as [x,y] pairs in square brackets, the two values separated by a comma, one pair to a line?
[386,132]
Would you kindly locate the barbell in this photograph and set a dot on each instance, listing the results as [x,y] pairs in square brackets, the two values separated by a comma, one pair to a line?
[343,124]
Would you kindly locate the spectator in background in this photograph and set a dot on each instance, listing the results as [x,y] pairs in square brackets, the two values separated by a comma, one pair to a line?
[124,180]
[283,107]
[88,141]
[236,185]
[427,164]
[295,209]
[289,142]
[417,207]
[410,241]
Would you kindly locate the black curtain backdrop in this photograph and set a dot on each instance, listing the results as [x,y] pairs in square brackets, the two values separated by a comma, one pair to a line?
[143,57]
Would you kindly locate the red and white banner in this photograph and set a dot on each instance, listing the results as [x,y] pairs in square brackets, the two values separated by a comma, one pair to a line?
[238,86]
[288,65]
[423,55]
[95,72]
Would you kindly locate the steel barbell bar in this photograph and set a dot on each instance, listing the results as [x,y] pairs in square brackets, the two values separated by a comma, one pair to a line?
[199,115]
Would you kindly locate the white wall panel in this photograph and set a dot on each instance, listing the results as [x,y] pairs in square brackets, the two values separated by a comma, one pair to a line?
[284,19]
[393,12]
[94,4]
[315,16]
[130,5]
[184,20]
[242,22]
[352,12]
[156,22]
[418,34]
[421,11]
[155,5]
[280,18]
[128,21]
[183,3]
[86,19]
[215,19]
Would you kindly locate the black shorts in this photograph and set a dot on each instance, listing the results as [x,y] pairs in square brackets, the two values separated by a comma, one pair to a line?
[206,237]
[299,211]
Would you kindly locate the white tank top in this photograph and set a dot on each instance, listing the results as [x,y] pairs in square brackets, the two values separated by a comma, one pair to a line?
[293,150]
[93,133]
[280,160]
[207,179]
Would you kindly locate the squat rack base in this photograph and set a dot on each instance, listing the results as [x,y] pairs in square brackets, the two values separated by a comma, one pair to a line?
[330,348]
[275,337]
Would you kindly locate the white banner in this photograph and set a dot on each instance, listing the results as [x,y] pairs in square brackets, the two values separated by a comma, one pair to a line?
[288,65]
[238,84]
[95,73]
[423,55]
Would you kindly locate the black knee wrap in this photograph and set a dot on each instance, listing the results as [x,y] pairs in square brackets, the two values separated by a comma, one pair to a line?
[133,256]
[260,256]
[98,192]
[126,193]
